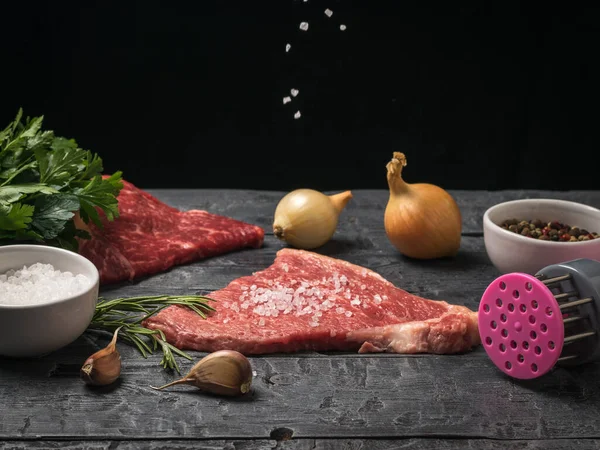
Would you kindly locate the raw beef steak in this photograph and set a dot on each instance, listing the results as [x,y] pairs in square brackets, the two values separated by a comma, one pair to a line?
[150,237]
[306,301]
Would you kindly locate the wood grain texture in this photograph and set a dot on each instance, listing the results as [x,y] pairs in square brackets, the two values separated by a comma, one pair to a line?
[309,444]
[319,400]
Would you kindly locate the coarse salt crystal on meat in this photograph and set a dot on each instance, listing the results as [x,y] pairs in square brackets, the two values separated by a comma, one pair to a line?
[318,316]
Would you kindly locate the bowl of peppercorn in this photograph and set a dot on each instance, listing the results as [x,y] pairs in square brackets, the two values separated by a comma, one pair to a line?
[529,234]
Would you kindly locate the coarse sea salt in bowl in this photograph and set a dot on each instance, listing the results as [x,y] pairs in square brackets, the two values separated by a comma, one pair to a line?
[511,252]
[48,297]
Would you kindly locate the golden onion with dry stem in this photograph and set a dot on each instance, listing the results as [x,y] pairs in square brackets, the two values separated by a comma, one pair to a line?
[421,220]
[307,219]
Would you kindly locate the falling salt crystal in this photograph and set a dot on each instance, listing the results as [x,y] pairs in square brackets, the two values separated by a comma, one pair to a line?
[297,115]
[225,320]
[294,92]
[328,12]
[287,47]
[304,26]
[343,27]
[254,373]
[287,100]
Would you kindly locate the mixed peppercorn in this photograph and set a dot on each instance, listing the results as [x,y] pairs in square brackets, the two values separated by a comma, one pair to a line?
[548,231]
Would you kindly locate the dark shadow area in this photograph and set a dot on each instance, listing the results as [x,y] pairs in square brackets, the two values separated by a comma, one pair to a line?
[190,94]
[64,362]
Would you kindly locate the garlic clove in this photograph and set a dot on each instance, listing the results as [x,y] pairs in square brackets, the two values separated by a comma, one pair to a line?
[104,366]
[224,372]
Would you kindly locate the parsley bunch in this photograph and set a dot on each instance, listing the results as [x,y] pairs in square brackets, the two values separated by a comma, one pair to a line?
[45,180]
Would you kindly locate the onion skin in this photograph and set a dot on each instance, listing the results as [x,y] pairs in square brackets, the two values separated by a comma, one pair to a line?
[422,221]
[307,219]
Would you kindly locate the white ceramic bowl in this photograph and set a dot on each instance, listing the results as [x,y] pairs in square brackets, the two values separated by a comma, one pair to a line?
[511,252]
[36,330]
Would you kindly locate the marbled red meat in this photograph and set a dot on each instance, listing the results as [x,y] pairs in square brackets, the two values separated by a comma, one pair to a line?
[307,301]
[150,237]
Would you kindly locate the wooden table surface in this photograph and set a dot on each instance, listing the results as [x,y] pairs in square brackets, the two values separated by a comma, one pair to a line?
[310,400]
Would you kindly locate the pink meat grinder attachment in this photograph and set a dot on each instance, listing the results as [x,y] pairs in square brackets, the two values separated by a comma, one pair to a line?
[528,324]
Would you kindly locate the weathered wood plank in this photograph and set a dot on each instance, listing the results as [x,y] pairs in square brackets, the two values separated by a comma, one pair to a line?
[439,444]
[324,396]
[183,444]
[310,444]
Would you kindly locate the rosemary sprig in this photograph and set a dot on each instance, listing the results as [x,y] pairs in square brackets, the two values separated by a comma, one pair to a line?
[119,312]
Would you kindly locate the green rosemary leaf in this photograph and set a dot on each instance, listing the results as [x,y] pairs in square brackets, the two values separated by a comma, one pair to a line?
[120,313]
[132,339]
[200,313]
[141,330]
[179,352]
[168,361]
[150,313]
[139,340]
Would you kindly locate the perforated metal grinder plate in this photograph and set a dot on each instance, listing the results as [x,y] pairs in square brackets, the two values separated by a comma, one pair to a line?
[521,327]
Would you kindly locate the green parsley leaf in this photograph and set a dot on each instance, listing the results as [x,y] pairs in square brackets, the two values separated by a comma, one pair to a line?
[100,192]
[15,192]
[52,212]
[93,166]
[60,165]
[16,216]
[46,179]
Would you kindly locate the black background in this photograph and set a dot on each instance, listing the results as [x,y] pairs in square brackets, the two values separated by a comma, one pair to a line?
[189,93]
